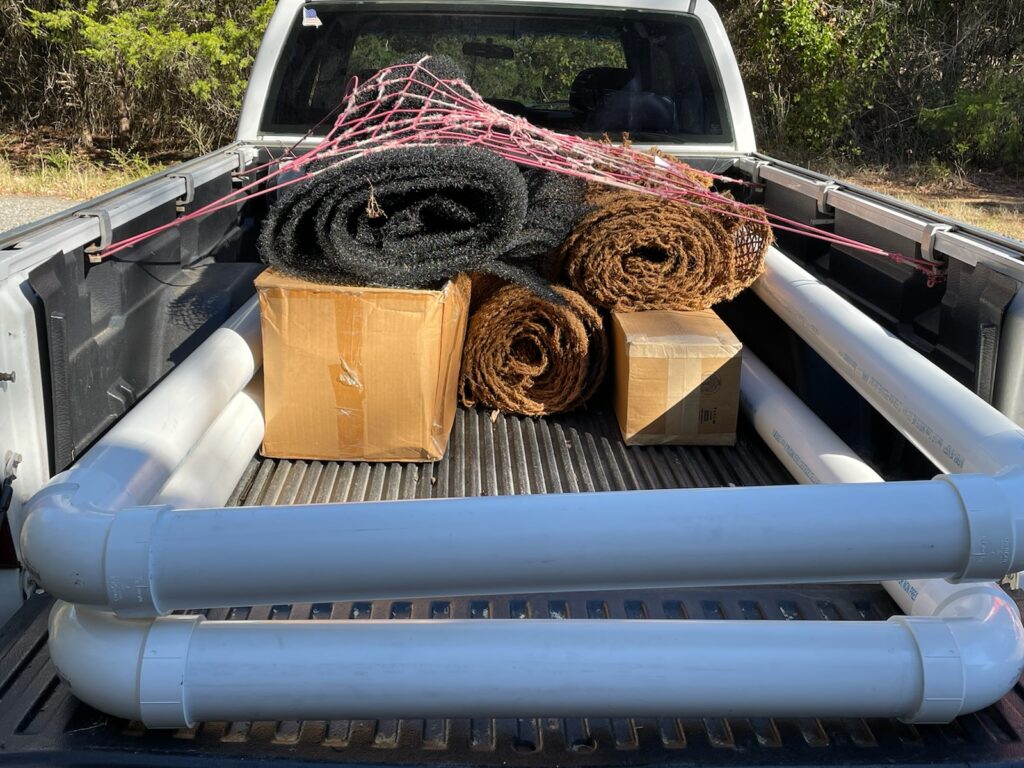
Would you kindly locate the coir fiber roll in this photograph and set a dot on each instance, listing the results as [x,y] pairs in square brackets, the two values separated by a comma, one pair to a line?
[637,252]
[530,356]
[415,217]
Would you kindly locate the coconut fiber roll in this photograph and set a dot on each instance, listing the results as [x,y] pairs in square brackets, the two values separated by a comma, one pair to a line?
[415,217]
[530,356]
[635,252]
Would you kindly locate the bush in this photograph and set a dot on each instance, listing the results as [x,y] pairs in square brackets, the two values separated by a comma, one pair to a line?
[152,69]
[984,126]
[811,67]
[887,80]
[884,80]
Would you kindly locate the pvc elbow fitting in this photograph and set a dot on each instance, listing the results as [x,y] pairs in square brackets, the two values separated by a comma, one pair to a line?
[128,668]
[82,643]
[85,538]
[90,557]
[986,625]
[971,644]
[62,545]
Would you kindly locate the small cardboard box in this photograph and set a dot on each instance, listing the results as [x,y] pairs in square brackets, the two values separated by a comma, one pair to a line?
[359,373]
[677,378]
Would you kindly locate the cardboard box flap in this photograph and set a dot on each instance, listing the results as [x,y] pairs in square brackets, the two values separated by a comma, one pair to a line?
[677,334]
[456,298]
[271,278]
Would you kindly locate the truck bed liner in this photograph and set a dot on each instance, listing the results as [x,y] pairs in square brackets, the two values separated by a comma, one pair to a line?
[513,455]
[42,724]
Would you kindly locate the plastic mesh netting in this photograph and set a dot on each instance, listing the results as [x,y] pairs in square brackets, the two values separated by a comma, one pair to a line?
[428,103]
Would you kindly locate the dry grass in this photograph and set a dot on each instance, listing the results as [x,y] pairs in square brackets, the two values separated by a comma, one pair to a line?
[988,200]
[55,171]
[1002,219]
[78,180]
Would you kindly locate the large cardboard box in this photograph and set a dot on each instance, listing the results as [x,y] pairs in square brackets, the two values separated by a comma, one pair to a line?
[359,373]
[677,378]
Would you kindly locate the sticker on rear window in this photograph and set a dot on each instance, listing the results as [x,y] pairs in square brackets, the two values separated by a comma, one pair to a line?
[310,19]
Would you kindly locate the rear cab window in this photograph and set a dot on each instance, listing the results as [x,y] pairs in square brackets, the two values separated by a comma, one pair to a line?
[587,72]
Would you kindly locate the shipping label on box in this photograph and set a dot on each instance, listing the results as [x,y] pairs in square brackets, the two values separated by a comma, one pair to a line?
[677,378]
[359,373]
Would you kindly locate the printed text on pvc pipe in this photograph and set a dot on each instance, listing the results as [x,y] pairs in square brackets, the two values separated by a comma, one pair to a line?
[915,421]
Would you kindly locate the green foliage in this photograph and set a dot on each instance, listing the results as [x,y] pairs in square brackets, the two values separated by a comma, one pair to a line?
[812,66]
[884,80]
[152,64]
[983,126]
[889,80]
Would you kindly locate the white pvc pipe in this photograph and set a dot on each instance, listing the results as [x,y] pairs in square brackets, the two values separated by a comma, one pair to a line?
[133,460]
[154,559]
[990,644]
[311,553]
[811,451]
[209,474]
[957,430]
[553,668]
[183,670]
[177,670]
[67,524]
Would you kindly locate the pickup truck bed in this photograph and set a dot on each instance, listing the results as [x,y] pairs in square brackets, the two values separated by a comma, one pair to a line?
[89,340]
[42,724]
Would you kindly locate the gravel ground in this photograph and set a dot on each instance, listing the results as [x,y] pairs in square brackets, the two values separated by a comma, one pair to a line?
[15,211]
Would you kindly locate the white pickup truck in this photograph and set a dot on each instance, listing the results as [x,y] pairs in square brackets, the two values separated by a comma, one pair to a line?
[824,592]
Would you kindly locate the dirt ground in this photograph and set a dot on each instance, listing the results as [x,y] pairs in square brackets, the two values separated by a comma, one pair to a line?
[15,211]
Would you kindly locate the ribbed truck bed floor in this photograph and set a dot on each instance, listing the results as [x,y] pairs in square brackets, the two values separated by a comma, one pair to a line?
[42,724]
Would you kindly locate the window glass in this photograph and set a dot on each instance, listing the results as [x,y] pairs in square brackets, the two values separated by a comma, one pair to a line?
[590,73]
